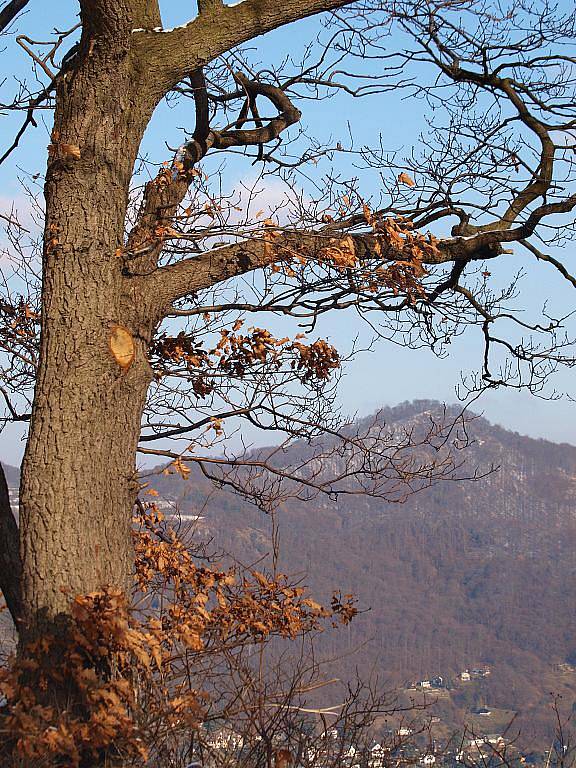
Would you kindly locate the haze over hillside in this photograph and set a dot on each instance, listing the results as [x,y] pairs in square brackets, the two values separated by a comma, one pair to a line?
[460,576]
[463,575]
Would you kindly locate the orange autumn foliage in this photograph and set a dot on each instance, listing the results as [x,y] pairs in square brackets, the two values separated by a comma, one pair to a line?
[238,354]
[111,649]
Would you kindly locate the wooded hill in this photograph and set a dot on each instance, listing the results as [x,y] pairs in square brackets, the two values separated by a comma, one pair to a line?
[462,575]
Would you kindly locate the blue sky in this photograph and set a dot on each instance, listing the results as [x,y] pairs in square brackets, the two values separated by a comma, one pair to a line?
[389,374]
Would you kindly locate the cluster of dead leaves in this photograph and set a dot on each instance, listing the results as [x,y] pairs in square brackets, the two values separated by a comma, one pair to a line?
[238,353]
[412,246]
[19,321]
[69,696]
[401,253]
[74,696]
[209,606]
[339,253]
[312,361]
[343,607]
[316,360]
[392,256]
[405,272]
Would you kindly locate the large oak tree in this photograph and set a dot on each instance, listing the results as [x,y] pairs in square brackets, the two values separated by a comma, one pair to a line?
[494,177]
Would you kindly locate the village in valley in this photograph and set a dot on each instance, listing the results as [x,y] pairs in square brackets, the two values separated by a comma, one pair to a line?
[489,738]
[406,745]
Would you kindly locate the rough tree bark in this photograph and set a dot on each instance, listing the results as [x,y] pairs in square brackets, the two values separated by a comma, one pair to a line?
[10,566]
[78,476]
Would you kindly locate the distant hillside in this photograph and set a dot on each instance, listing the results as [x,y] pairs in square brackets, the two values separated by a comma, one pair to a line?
[462,576]
[12,475]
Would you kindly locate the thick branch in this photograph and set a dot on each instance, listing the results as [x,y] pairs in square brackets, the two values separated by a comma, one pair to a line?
[170,283]
[163,195]
[10,11]
[10,565]
[287,116]
[217,30]
[212,267]
[112,16]
[204,138]
[146,12]
[108,18]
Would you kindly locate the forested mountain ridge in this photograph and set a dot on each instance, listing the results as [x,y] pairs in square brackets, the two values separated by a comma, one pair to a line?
[462,575]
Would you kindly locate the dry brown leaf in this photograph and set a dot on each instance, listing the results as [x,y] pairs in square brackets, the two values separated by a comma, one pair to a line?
[404,178]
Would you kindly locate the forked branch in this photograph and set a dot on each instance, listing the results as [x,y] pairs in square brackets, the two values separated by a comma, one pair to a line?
[183,49]
[164,194]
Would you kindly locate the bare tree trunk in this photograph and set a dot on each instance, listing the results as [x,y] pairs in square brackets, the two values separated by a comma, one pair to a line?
[78,476]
